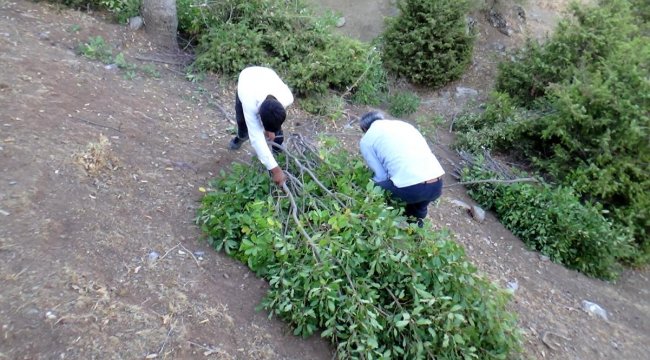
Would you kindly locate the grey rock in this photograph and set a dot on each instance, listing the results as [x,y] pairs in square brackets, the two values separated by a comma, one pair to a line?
[520,12]
[499,21]
[340,22]
[461,204]
[471,24]
[110,67]
[13,183]
[544,258]
[199,253]
[135,23]
[462,92]
[477,213]
[499,47]
[204,136]
[5,213]
[513,285]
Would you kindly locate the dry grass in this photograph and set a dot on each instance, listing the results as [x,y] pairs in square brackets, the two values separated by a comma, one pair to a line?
[97,157]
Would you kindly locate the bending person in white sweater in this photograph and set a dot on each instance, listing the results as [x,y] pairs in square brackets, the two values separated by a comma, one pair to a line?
[260,108]
[402,163]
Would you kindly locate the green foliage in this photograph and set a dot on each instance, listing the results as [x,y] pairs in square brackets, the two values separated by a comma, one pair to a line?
[429,42]
[499,125]
[587,91]
[122,9]
[403,103]
[554,222]
[97,49]
[581,41]
[375,287]
[286,36]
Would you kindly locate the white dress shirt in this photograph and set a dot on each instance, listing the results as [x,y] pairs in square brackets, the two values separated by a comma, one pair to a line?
[396,150]
[254,85]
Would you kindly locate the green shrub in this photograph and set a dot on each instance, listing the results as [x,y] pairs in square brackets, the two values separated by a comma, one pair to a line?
[554,222]
[429,42]
[302,47]
[403,103]
[587,121]
[122,9]
[97,49]
[375,287]
[581,41]
[496,128]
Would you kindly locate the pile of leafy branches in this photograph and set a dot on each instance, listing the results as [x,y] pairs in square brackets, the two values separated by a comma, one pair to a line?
[576,107]
[552,220]
[341,261]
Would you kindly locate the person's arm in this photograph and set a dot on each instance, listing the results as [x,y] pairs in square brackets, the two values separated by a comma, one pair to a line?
[373,161]
[258,140]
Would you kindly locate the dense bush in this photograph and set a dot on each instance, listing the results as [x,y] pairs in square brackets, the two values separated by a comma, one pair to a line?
[582,41]
[587,94]
[288,37]
[429,42]
[122,10]
[376,287]
[554,221]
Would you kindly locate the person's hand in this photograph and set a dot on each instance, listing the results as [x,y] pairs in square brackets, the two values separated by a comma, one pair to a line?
[278,176]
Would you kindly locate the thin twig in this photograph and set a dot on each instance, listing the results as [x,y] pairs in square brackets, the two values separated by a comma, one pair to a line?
[308,171]
[95,124]
[163,61]
[500,181]
[294,214]
[191,254]
[168,251]
[171,327]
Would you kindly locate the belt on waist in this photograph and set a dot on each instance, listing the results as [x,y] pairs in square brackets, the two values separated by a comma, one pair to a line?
[431,181]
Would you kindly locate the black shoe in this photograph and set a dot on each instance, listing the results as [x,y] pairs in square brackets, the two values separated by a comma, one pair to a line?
[236,143]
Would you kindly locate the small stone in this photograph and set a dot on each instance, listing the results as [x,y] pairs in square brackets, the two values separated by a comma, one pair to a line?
[513,285]
[135,23]
[153,256]
[226,276]
[13,182]
[5,213]
[340,22]
[594,309]
[544,258]
[199,253]
[110,67]
[50,315]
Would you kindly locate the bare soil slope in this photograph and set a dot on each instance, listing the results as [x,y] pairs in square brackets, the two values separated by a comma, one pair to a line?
[80,224]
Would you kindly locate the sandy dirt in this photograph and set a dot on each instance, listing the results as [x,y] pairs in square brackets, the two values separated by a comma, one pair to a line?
[99,169]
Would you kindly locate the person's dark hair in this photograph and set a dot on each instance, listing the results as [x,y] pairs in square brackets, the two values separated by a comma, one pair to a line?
[272,114]
[369,118]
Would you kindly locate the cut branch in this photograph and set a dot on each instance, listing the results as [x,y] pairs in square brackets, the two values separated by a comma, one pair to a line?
[498,181]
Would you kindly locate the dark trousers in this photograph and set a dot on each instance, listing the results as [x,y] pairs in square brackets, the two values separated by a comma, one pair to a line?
[417,197]
[242,129]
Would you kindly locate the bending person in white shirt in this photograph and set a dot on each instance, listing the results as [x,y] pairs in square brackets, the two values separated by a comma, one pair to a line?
[260,108]
[402,163]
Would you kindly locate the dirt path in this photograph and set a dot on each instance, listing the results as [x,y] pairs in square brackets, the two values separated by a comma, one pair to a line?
[75,276]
